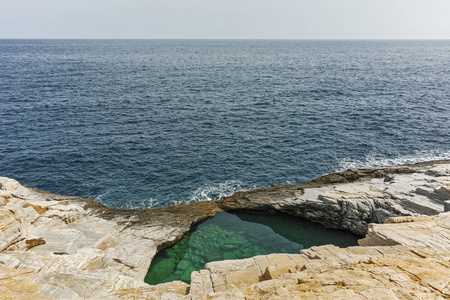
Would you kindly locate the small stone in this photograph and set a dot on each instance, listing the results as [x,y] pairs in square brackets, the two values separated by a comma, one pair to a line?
[229,255]
[213,256]
[186,277]
[388,178]
[184,264]
[229,246]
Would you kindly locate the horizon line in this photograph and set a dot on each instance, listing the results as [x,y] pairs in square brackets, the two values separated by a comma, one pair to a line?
[247,39]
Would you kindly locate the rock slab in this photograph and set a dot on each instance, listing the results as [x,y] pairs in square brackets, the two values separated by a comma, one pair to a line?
[63,247]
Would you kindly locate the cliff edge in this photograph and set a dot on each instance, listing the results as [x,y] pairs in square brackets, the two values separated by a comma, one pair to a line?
[54,246]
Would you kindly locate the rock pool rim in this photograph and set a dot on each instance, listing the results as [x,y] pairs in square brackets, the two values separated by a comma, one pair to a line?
[186,215]
[208,209]
[252,233]
[203,210]
[275,214]
[194,226]
[168,224]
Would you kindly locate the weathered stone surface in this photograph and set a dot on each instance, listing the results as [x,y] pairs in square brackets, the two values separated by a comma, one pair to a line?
[352,199]
[411,269]
[54,246]
[76,248]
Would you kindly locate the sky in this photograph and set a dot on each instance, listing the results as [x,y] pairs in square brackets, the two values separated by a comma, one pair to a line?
[230,19]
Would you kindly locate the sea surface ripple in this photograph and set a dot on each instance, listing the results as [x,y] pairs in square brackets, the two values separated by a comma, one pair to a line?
[144,123]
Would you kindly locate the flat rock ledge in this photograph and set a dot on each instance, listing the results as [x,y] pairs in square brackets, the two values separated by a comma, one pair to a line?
[63,247]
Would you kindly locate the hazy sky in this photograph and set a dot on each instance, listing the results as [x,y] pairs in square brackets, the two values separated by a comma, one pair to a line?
[283,19]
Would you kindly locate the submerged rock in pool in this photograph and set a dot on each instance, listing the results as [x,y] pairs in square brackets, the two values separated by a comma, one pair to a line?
[213,255]
[240,235]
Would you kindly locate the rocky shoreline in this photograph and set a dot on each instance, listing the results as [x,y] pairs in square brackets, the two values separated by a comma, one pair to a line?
[54,246]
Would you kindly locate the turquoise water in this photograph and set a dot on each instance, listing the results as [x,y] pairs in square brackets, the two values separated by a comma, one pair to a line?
[240,235]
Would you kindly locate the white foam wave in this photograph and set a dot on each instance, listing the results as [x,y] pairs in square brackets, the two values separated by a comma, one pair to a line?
[99,197]
[142,204]
[374,160]
[129,203]
[215,192]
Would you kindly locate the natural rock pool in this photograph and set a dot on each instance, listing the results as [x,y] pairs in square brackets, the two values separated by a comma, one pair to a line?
[236,235]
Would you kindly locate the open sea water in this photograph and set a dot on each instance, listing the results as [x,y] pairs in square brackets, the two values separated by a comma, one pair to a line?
[146,123]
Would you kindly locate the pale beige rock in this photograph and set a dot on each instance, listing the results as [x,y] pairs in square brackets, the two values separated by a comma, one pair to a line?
[352,199]
[75,248]
[10,229]
[62,247]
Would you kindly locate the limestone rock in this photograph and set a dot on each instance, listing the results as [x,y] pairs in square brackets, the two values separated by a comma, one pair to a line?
[352,199]
[63,247]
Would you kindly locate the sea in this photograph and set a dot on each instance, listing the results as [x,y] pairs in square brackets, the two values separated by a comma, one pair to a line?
[149,123]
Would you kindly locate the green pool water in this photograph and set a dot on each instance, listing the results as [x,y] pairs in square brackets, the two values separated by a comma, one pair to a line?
[239,235]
